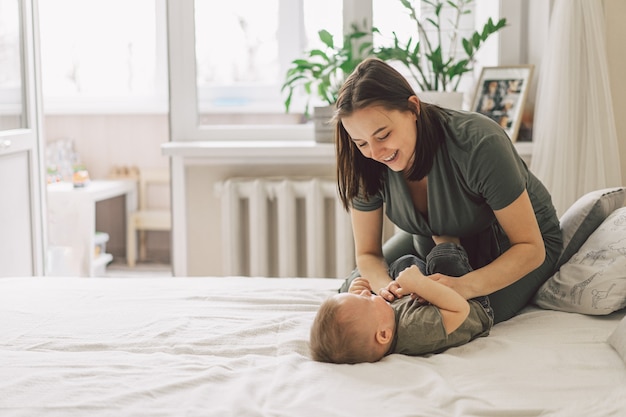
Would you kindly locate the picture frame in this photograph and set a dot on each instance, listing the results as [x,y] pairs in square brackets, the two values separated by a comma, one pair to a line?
[501,94]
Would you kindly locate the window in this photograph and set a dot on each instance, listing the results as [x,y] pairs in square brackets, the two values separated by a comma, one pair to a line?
[244,74]
[103,56]
[229,59]
[10,66]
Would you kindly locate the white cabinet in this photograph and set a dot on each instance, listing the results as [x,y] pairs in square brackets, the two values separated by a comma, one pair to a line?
[72,225]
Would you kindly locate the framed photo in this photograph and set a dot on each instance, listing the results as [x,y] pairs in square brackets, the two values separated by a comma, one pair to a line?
[501,94]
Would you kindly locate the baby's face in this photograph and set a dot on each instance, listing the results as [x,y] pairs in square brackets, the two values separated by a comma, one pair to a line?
[373,308]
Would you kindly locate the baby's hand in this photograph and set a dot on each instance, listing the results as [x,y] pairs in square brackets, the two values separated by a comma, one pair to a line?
[405,279]
[358,285]
[407,275]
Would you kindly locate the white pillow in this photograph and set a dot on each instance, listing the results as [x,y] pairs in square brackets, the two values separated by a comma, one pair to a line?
[617,339]
[585,215]
[593,280]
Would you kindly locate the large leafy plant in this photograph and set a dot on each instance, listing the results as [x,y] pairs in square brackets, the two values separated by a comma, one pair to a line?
[434,67]
[322,71]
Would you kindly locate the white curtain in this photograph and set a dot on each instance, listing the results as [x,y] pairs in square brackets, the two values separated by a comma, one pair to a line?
[575,142]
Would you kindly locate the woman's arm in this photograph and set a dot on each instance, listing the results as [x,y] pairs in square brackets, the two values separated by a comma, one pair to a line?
[527,252]
[453,306]
[367,227]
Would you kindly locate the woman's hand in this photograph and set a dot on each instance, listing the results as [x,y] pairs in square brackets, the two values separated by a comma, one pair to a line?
[458,284]
[390,292]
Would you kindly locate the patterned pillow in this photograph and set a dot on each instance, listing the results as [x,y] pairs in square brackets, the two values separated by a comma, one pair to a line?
[585,215]
[593,280]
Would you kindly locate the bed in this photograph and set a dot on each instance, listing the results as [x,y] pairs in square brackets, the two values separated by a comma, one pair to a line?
[238,346]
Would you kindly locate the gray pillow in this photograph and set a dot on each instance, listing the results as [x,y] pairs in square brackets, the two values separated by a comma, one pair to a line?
[593,280]
[617,339]
[584,216]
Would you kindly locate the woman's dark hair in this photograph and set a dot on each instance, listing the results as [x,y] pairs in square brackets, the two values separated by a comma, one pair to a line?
[375,83]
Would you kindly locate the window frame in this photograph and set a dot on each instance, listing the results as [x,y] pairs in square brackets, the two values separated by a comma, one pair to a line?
[184,112]
[176,52]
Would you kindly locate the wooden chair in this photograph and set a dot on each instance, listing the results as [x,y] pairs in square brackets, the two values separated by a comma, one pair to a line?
[146,218]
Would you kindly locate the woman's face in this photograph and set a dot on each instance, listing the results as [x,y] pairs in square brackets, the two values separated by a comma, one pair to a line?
[387,136]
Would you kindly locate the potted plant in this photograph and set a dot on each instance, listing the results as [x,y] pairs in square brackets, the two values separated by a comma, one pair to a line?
[322,72]
[433,67]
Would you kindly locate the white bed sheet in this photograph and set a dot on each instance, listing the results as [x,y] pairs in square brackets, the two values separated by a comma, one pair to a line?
[239,347]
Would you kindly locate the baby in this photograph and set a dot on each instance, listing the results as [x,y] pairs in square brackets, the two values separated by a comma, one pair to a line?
[359,326]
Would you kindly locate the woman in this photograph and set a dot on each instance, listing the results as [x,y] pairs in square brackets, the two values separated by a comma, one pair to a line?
[440,172]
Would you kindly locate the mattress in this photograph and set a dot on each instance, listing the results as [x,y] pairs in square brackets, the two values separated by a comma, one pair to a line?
[238,346]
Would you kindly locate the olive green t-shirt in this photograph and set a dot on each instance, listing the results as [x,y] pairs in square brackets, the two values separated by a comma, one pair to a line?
[420,329]
[476,170]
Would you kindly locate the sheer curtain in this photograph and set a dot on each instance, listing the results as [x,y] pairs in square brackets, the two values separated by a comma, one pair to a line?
[575,141]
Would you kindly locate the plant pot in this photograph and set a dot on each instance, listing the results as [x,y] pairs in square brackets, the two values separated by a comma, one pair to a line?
[450,100]
[324,129]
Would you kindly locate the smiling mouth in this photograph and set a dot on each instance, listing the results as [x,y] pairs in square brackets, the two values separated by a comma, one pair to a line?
[391,158]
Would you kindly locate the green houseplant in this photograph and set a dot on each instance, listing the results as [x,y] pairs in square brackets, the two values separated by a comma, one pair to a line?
[322,71]
[433,67]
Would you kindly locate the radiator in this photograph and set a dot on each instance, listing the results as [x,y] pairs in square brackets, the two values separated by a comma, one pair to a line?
[285,227]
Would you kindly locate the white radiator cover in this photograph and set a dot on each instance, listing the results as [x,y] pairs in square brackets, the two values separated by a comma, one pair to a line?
[285,227]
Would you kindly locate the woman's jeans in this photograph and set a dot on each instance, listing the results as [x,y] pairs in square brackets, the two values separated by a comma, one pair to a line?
[446,258]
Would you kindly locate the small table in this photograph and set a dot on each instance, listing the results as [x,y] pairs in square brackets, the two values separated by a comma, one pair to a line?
[72,224]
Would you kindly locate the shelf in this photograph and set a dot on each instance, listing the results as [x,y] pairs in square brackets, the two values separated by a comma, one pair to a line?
[102,259]
[100,263]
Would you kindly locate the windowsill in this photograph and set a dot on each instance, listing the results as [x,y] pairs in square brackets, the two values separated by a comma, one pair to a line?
[267,152]
[251,152]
